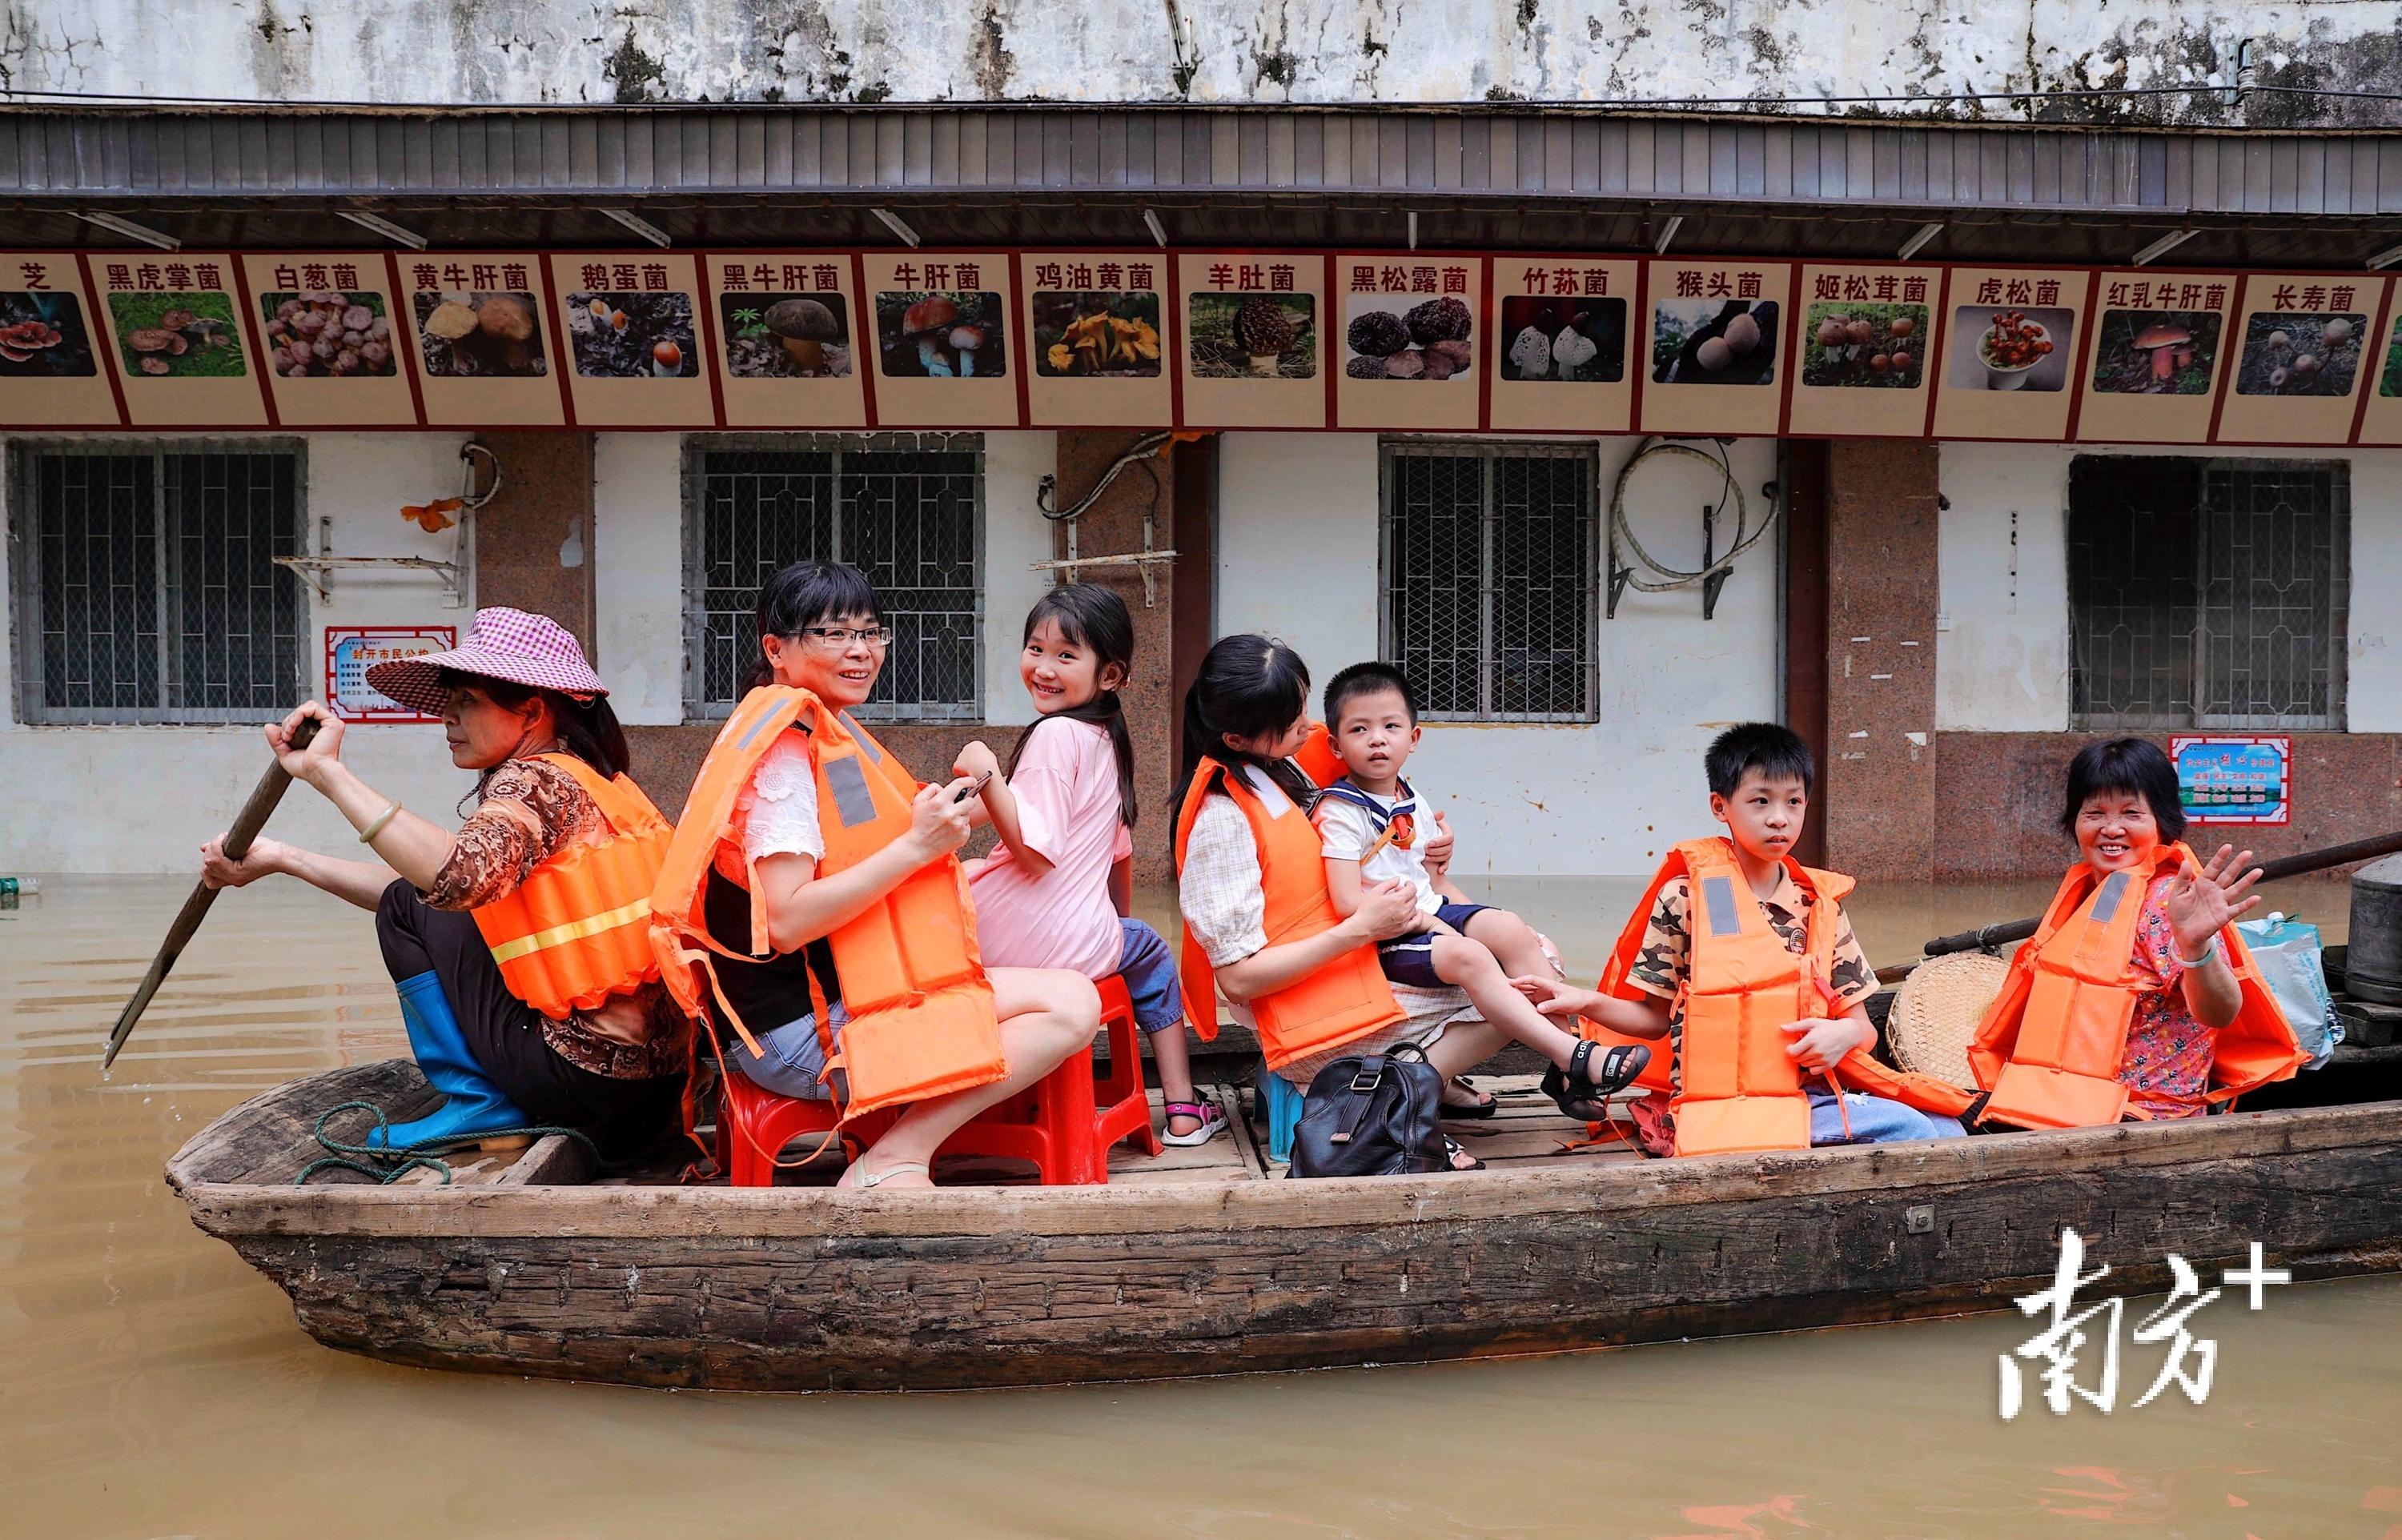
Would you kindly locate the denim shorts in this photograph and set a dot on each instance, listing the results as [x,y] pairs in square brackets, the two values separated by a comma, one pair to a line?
[1149,969]
[1410,959]
[791,1059]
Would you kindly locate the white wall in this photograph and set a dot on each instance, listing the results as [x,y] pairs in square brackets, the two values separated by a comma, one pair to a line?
[142,799]
[512,51]
[1298,558]
[2002,655]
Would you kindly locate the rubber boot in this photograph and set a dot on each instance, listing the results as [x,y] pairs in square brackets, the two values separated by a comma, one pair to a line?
[474,1104]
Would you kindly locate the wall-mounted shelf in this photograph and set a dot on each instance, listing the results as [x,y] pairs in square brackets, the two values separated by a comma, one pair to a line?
[317,571]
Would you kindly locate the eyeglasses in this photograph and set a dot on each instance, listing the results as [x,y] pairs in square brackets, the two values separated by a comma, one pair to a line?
[837,636]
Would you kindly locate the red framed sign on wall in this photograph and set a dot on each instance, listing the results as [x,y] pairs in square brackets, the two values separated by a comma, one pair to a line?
[350,650]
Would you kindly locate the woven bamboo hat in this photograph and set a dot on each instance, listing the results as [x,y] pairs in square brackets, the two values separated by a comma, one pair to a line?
[1936,1013]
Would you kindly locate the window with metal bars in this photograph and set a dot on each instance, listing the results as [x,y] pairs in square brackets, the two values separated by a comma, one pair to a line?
[2207,593]
[1490,565]
[147,589]
[907,509]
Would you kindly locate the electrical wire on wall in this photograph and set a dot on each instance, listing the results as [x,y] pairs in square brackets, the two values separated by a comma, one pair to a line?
[1712,575]
[1143,451]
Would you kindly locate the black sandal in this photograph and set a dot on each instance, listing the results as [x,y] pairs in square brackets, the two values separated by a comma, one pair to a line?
[1454,1149]
[1588,1100]
[1471,1111]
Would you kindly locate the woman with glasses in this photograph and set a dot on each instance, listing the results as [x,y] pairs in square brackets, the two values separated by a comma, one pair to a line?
[821,855]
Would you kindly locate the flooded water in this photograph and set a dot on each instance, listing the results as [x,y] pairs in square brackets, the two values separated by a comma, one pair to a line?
[152,1386]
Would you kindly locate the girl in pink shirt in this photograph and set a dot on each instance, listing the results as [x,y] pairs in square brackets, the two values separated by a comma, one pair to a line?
[1054,895]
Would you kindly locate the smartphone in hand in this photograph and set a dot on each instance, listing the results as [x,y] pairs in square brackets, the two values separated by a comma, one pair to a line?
[967,791]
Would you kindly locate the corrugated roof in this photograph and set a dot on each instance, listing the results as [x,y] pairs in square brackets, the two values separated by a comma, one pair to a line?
[1522,177]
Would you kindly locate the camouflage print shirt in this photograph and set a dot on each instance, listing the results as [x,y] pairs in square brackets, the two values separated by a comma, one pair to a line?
[1661,967]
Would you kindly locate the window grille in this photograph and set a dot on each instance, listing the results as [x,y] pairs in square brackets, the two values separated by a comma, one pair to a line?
[907,509]
[146,586]
[1491,578]
[2208,593]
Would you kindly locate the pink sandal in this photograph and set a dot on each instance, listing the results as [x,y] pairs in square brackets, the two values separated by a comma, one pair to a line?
[1214,1122]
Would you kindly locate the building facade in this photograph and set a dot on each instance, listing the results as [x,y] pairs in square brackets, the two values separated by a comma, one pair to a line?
[1944,580]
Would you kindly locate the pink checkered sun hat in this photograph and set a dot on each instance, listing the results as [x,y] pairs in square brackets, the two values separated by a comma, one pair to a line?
[504,644]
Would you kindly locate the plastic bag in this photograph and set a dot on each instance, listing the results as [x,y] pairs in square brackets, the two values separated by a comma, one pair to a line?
[2291,965]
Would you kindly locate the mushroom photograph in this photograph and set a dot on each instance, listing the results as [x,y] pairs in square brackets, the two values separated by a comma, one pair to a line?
[1714,342]
[2010,348]
[1266,335]
[637,336]
[941,334]
[471,334]
[1870,347]
[1111,333]
[786,336]
[1576,340]
[178,335]
[327,335]
[2295,352]
[42,336]
[1392,338]
[2389,382]
[2155,352]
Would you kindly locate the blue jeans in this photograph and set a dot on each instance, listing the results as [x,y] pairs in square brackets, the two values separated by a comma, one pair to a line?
[1874,1121]
[791,1059]
[1149,969]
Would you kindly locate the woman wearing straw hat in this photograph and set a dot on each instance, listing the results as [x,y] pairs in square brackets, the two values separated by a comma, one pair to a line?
[519,942]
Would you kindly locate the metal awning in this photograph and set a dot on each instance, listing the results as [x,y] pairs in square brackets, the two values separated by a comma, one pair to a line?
[1530,178]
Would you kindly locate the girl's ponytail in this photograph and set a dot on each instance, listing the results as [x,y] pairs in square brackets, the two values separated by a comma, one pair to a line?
[1249,686]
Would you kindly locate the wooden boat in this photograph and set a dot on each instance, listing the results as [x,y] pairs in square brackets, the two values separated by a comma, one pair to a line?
[1204,1262]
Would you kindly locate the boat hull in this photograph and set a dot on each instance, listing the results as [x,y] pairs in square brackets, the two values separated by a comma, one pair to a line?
[790,1289]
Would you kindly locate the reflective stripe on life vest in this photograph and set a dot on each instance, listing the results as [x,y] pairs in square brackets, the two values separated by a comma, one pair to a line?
[921,1020]
[2054,1040]
[576,931]
[1743,986]
[1346,999]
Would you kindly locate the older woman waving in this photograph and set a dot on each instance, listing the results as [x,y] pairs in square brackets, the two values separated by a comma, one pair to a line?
[518,942]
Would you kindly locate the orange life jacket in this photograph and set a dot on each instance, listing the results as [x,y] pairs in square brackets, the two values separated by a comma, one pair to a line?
[921,1018]
[2051,1044]
[577,929]
[1346,999]
[1743,987]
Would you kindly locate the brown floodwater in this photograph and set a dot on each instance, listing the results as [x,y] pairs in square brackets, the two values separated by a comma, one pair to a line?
[152,1386]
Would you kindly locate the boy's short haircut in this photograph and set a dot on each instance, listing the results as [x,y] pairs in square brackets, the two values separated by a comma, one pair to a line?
[1776,751]
[1367,678]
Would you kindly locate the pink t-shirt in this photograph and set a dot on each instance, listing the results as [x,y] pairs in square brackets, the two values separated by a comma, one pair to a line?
[1067,790]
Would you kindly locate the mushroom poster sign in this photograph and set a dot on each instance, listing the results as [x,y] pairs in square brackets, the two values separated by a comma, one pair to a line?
[630,328]
[1097,328]
[948,350]
[2011,337]
[1715,346]
[474,326]
[1411,321]
[1557,345]
[790,341]
[2304,357]
[172,331]
[50,372]
[1253,350]
[1869,338]
[327,329]
[2154,354]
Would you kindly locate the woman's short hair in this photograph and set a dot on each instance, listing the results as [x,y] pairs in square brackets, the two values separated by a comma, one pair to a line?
[2123,765]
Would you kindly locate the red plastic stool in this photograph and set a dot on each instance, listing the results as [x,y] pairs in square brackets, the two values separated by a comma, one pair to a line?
[1066,1123]
[754,1124]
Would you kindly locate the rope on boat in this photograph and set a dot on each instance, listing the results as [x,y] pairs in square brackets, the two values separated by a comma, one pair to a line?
[384,1166]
